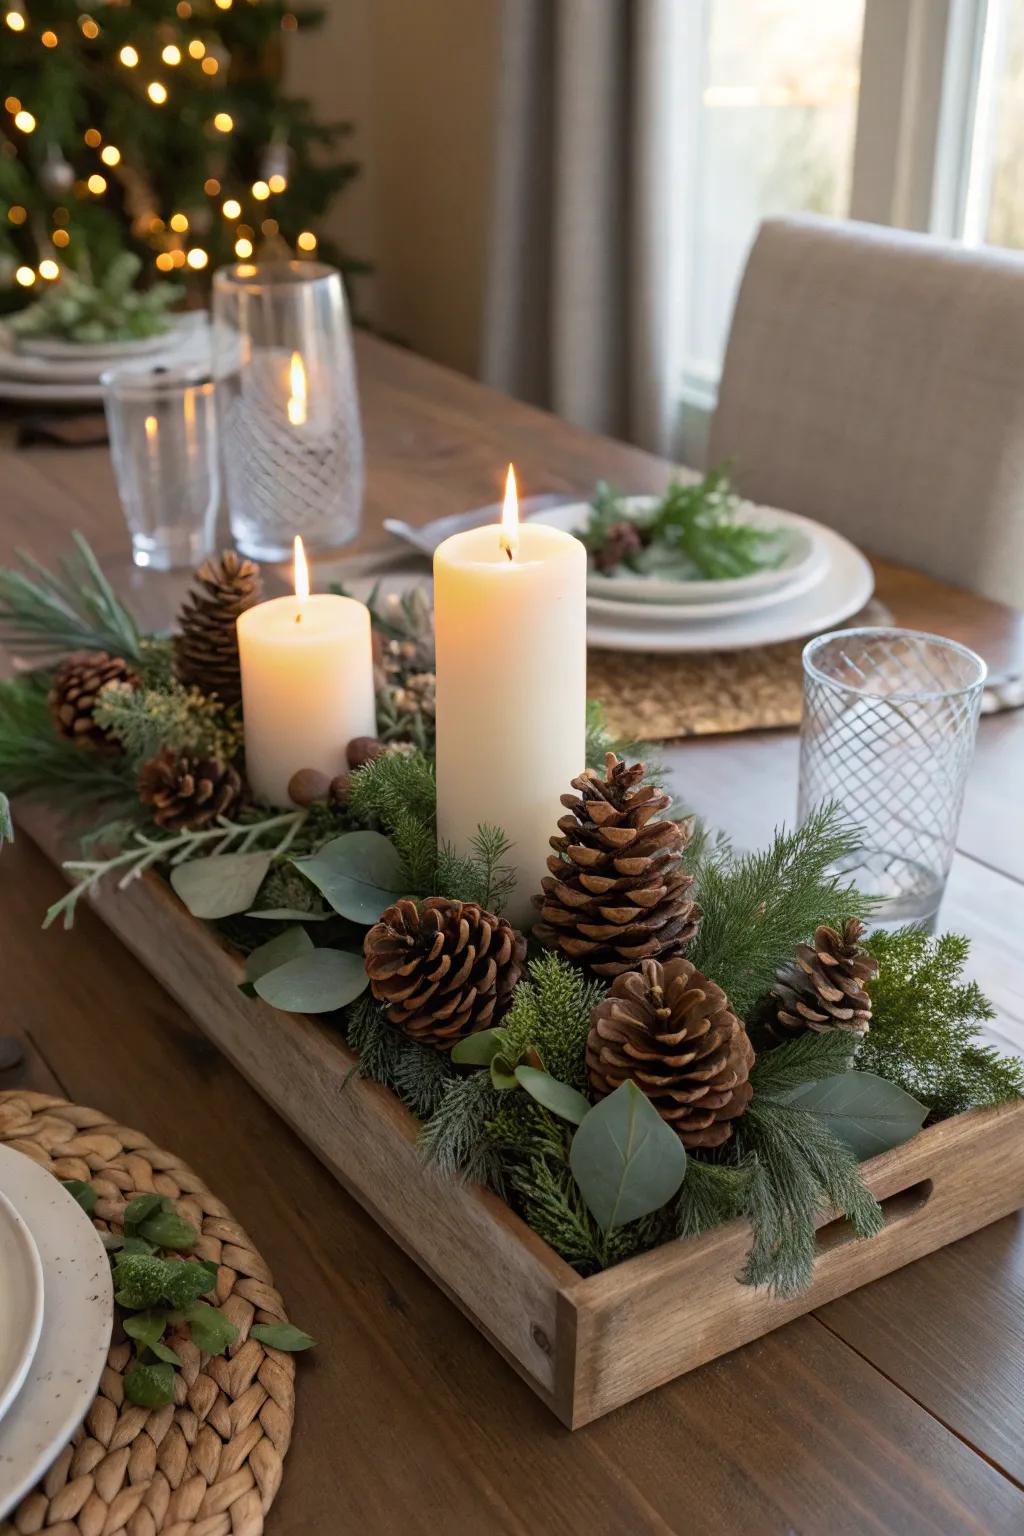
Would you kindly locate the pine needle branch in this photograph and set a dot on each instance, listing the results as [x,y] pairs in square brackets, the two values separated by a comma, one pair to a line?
[455,1140]
[35,761]
[72,609]
[758,907]
[807,1059]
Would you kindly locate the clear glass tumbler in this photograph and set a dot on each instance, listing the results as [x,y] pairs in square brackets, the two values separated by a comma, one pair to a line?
[289,409]
[162,422]
[889,724]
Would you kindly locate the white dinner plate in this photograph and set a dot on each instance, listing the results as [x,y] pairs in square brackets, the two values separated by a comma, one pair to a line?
[78,1315]
[21,1302]
[804,551]
[59,350]
[845,589]
[74,380]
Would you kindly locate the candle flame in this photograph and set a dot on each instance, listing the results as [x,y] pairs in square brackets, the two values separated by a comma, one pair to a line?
[297,398]
[510,516]
[151,427]
[301,569]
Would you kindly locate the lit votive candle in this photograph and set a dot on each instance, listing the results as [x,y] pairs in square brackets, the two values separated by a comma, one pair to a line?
[307,684]
[511,622]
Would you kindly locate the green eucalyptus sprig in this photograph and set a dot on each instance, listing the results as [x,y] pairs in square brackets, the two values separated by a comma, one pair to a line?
[158,1295]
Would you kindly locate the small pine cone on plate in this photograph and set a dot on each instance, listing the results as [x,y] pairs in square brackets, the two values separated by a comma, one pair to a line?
[188,793]
[77,685]
[825,984]
[671,1031]
[443,968]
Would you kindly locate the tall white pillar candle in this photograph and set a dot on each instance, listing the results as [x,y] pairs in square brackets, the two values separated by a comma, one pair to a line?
[510,619]
[307,686]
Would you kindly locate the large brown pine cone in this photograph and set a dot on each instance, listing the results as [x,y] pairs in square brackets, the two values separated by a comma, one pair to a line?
[77,684]
[443,968]
[616,893]
[823,987]
[206,647]
[670,1030]
[188,793]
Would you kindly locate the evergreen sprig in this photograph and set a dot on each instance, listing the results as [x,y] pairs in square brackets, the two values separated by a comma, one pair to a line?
[35,761]
[800,1172]
[551,1012]
[144,720]
[456,1141]
[757,908]
[72,609]
[417,1074]
[926,1023]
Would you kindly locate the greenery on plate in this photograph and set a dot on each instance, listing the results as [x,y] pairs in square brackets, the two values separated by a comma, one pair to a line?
[694,532]
[78,309]
[596,1170]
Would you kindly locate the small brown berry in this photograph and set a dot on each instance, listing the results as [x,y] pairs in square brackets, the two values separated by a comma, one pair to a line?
[364,749]
[307,785]
[337,795]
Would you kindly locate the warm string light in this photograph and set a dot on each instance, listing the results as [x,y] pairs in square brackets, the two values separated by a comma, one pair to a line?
[260,191]
[210,65]
[197,258]
[93,137]
[243,248]
[90,29]
[61,238]
[49,270]
[157,92]
[196,48]
[179,223]
[48,39]
[25,276]
[15,19]
[232,208]
[277,183]
[171,54]
[110,154]
[17,214]
[129,56]
[223,122]
[306,241]
[24,120]
[97,184]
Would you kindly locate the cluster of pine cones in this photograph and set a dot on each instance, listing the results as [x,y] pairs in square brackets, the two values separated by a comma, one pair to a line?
[181,791]
[618,900]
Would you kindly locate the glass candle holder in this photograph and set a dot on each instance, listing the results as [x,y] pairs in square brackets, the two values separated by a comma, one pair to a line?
[162,422]
[889,724]
[289,410]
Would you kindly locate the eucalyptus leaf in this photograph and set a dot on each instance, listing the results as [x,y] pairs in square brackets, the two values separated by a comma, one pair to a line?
[187,1279]
[360,873]
[83,1193]
[165,1353]
[625,1159]
[479,1049]
[288,915]
[221,885]
[503,1072]
[137,1211]
[281,1336]
[562,1100]
[146,1327]
[867,1112]
[150,1386]
[317,982]
[211,1331]
[286,946]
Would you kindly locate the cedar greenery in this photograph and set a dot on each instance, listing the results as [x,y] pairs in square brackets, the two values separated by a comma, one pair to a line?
[925,1026]
[144,720]
[758,907]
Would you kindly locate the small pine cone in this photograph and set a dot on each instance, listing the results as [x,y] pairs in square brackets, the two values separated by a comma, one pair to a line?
[671,1031]
[77,684]
[206,647]
[188,793]
[623,539]
[616,893]
[824,986]
[443,968]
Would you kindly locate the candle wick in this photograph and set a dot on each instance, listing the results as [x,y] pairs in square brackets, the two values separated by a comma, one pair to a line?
[508,551]
[298,618]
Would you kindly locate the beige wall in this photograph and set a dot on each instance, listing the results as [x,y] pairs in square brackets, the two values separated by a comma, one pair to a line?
[420,211]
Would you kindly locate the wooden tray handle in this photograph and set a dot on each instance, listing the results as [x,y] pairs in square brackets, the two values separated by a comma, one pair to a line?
[898,1206]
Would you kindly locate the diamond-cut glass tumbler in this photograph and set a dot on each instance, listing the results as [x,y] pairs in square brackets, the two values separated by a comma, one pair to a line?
[289,411]
[889,724]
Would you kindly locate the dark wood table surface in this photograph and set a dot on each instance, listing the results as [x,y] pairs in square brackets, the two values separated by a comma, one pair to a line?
[897,1409]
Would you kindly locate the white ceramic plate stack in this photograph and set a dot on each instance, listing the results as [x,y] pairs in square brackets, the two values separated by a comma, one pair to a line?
[44,371]
[821,581]
[56,1315]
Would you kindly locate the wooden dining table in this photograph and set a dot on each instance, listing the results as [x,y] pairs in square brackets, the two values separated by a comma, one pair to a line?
[897,1409]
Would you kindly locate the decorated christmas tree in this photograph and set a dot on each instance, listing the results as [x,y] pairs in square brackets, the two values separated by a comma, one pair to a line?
[156,127]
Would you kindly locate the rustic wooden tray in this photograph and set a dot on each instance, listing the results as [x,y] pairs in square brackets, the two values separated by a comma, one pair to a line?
[584,1346]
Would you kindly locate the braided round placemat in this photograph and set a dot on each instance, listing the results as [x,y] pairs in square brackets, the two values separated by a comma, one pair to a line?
[210,1463]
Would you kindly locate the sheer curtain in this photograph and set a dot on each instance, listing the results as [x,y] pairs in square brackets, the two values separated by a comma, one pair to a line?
[577,308]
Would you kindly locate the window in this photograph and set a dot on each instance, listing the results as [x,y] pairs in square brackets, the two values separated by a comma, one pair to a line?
[903,112]
[775,134]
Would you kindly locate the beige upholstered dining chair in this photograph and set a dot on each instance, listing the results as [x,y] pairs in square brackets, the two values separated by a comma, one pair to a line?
[874,380]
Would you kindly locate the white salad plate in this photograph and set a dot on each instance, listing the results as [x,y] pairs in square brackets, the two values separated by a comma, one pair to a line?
[843,591]
[803,553]
[657,615]
[78,1315]
[57,349]
[21,1302]
[73,377]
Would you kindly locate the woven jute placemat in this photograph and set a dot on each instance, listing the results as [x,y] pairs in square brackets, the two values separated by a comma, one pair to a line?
[210,1463]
